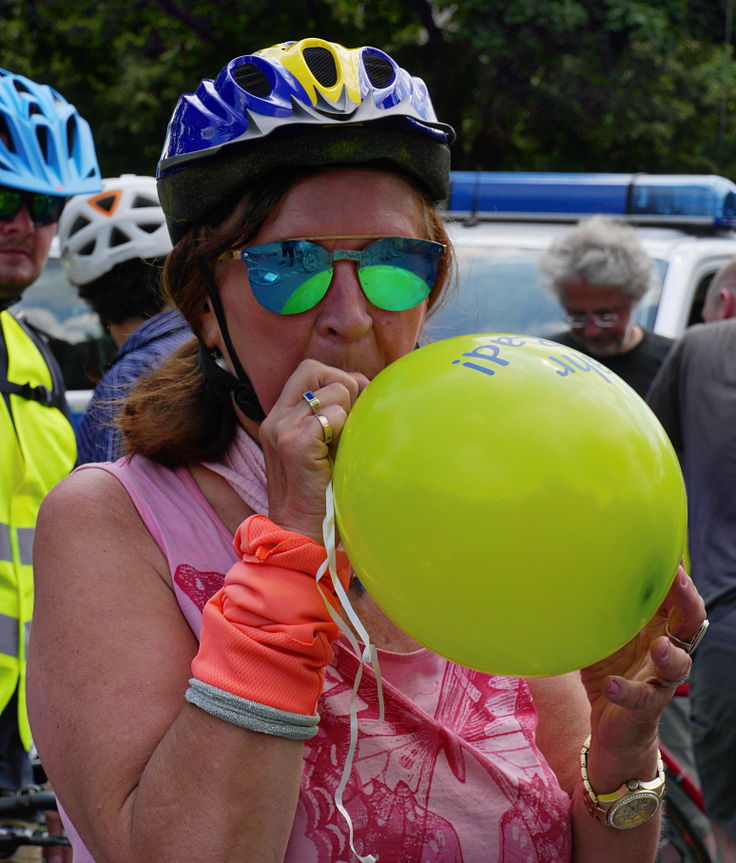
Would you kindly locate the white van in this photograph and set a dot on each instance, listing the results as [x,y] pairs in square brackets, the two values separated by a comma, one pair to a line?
[501,223]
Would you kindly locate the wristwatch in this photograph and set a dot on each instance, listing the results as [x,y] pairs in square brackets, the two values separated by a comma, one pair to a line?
[634,803]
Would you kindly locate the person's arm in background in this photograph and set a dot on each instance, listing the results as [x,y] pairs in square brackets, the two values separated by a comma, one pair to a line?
[663,396]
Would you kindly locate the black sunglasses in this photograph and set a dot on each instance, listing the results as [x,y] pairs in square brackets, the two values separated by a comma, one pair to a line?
[44,209]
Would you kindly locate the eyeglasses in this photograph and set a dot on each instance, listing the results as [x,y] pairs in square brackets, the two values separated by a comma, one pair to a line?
[44,209]
[292,276]
[577,320]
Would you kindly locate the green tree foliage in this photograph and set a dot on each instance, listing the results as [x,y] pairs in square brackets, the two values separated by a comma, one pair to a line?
[604,85]
[612,85]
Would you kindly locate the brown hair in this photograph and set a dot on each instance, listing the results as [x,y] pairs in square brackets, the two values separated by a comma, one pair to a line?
[172,415]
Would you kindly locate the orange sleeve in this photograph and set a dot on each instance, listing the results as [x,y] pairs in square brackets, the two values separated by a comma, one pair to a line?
[267,634]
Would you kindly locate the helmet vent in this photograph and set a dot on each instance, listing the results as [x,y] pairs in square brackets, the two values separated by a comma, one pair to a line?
[379,70]
[21,87]
[71,135]
[150,228]
[42,135]
[253,80]
[142,201]
[107,203]
[5,136]
[79,223]
[322,65]
[118,238]
[87,250]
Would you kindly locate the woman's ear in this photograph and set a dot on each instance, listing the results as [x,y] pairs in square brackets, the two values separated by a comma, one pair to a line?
[209,332]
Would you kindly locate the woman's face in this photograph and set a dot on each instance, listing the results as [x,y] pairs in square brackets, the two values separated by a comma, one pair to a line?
[344,330]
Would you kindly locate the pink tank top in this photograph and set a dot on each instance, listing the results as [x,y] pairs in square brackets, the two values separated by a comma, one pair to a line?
[451,774]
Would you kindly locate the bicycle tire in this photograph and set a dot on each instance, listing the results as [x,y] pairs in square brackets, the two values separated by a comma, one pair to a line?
[679,841]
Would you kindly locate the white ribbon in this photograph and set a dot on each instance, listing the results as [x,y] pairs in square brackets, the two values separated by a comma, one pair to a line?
[367,655]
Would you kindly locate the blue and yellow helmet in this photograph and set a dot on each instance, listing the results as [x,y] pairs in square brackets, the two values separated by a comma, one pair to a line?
[310,103]
[45,146]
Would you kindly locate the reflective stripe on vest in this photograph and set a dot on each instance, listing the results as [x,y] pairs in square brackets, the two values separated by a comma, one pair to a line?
[8,635]
[9,643]
[6,550]
[25,544]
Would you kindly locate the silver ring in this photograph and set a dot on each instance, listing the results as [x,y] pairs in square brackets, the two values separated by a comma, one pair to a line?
[667,684]
[326,428]
[688,645]
[311,399]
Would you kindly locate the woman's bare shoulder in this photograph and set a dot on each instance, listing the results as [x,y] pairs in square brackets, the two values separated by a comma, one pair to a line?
[92,493]
[89,513]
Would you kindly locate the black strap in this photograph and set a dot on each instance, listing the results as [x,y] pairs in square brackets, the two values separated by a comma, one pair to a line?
[53,397]
[37,394]
[220,381]
[240,384]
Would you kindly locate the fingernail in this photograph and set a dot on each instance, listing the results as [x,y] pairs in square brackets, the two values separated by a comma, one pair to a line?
[684,579]
[613,687]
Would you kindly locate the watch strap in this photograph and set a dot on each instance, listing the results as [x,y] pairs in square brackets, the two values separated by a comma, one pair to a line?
[601,805]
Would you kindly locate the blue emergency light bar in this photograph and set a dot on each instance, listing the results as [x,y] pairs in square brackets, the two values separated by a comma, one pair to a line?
[695,199]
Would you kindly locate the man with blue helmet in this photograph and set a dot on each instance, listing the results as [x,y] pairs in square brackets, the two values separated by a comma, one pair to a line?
[46,155]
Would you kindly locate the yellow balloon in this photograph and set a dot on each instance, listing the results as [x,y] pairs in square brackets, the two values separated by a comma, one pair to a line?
[510,503]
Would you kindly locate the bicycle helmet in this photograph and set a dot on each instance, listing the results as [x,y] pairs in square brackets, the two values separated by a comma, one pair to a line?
[45,146]
[307,103]
[123,222]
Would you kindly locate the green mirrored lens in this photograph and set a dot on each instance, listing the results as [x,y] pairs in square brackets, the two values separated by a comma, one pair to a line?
[43,208]
[393,288]
[308,294]
[9,203]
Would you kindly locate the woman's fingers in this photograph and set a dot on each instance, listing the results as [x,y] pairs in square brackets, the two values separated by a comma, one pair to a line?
[297,437]
[684,608]
[669,667]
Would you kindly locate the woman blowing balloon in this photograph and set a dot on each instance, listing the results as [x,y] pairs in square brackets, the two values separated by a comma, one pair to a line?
[190,696]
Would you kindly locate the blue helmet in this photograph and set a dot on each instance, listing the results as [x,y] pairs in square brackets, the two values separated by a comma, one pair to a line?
[45,146]
[311,103]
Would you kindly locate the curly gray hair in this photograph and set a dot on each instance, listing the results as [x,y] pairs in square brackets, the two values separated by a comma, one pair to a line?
[601,252]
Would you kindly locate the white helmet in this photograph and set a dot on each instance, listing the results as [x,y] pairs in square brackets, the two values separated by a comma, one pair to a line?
[121,223]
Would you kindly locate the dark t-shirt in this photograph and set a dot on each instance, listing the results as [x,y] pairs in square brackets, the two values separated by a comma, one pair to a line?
[694,396]
[637,366]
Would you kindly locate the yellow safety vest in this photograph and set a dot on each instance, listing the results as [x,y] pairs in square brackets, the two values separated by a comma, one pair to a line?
[38,449]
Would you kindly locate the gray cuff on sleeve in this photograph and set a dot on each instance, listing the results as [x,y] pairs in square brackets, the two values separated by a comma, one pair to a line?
[251,714]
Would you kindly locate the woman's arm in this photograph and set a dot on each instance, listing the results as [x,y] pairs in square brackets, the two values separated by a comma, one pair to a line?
[564,723]
[143,774]
[618,701]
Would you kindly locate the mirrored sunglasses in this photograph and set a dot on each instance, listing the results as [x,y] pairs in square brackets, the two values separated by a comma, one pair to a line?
[43,209]
[292,276]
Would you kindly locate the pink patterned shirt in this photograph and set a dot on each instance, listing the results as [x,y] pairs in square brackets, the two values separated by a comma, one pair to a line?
[451,775]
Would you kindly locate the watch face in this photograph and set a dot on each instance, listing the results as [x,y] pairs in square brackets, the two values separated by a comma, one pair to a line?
[634,810]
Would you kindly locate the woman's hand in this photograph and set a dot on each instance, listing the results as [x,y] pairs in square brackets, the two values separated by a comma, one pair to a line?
[629,690]
[292,437]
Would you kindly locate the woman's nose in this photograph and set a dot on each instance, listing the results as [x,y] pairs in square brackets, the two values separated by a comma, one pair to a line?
[345,309]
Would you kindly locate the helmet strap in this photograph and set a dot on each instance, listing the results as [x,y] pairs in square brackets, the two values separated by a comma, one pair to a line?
[240,386]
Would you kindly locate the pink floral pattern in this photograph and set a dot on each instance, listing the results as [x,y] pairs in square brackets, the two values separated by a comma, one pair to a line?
[462,782]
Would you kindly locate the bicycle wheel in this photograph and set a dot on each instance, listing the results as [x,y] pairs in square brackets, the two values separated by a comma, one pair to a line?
[680,842]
